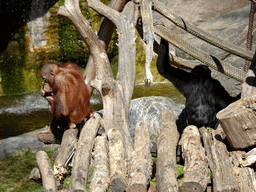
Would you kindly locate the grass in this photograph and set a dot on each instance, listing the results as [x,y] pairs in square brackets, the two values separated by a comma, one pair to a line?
[15,170]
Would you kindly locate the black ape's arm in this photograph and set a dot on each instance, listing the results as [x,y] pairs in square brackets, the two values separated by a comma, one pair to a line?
[179,78]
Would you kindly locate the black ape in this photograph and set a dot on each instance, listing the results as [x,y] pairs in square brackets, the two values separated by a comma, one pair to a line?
[204,95]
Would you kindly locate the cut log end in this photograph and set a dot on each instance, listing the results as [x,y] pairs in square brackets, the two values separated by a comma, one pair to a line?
[118,184]
[190,187]
[137,187]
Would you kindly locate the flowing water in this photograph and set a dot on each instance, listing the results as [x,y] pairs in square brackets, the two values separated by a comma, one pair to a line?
[24,113]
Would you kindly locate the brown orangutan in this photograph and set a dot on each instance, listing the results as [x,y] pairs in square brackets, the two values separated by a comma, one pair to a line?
[67,94]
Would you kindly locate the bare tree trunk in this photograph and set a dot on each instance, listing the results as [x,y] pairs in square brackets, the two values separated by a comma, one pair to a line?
[100,178]
[83,152]
[196,163]
[105,34]
[46,171]
[166,153]
[141,164]
[148,38]
[116,94]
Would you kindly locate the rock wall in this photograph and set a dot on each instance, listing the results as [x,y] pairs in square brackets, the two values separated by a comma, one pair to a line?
[227,27]
[224,19]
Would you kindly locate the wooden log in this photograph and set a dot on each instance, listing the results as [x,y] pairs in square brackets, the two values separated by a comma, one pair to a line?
[35,175]
[220,165]
[45,167]
[244,175]
[100,179]
[166,153]
[249,158]
[117,160]
[196,172]
[239,122]
[246,179]
[83,153]
[68,144]
[141,164]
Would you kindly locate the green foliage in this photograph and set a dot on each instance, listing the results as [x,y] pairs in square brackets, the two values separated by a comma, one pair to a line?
[12,65]
[15,169]
[180,172]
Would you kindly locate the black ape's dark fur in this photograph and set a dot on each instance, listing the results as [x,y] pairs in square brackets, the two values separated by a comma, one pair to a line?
[204,95]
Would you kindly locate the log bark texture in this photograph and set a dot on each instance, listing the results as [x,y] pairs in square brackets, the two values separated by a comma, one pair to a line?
[166,153]
[196,172]
[245,175]
[141,164]
[117,160]
[246,179]
[45,167]
[100,179]
[68,144]
[239,122]
[83,153]
[220,165]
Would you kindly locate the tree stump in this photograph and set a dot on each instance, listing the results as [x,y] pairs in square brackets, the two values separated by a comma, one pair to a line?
[196,163]
[239,122]
[222,170]
[141,164]
[166,153]
[46,171]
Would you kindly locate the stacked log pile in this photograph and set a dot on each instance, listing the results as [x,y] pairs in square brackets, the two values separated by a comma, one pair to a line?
[208,164]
